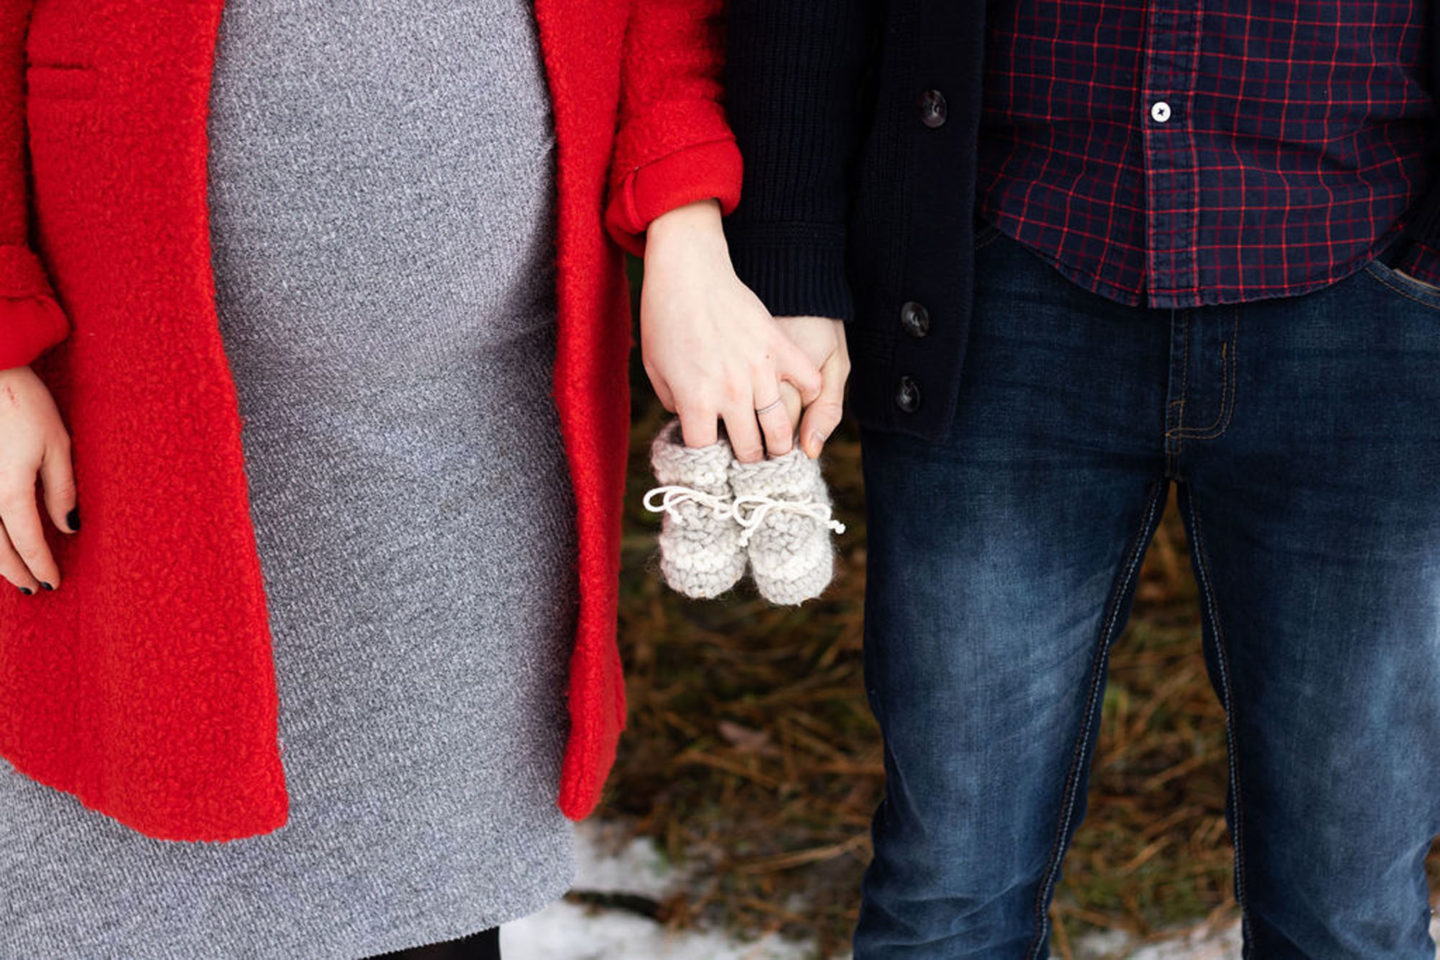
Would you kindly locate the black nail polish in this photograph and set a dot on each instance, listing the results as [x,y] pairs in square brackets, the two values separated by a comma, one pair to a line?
[73,518]
[46,585]
[26,590]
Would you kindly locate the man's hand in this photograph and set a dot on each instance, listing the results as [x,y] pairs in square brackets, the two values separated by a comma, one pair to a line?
[823,341]
[711,349]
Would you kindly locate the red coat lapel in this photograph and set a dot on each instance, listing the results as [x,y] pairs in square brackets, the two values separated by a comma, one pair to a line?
[156,699]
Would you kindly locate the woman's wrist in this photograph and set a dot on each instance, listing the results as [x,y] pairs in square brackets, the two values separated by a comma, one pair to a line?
[694,227]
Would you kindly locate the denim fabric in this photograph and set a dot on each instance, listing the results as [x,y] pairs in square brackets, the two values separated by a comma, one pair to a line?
[1304,437]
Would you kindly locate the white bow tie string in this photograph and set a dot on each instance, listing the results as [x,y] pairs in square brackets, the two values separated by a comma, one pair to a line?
[674,495]
[748,511]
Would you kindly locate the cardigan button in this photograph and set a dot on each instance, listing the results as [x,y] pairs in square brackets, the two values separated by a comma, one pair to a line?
[932,108]
[915,319]
[907,397]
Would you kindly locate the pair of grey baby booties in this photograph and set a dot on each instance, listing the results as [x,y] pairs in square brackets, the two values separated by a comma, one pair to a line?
[721,515]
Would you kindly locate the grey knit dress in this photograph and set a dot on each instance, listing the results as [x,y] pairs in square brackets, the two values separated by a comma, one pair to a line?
[381,177]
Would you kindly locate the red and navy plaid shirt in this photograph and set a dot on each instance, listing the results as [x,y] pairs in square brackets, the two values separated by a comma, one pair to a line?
[1165,155]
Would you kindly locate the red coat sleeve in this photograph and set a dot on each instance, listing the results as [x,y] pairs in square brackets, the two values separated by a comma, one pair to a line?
[31,320]
[673,145]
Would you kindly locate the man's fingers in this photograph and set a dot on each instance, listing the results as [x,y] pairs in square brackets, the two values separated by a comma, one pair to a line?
[21,516]
[57,478]
[794,405]
[821,419]
[794,367]
[823,416]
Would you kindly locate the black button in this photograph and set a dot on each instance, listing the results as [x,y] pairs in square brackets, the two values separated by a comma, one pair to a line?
[907,397]
[915,319]
[932,108]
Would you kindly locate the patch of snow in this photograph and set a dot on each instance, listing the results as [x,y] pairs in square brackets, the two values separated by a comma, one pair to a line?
[567,931]
[1203,943]
[1102,945]
[640,867]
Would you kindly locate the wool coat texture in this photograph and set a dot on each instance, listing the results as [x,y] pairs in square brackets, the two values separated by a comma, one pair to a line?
[145,684]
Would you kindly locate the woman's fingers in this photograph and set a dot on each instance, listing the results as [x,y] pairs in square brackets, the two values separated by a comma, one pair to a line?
[775,424]
[663,393]
[698,427]
[33,445]
[57,479]
[743,430]
[767,428]
[21,517]
[776,427]
[761,409]
[12,568]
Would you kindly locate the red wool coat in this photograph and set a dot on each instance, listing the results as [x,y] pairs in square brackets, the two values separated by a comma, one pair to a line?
[145,684]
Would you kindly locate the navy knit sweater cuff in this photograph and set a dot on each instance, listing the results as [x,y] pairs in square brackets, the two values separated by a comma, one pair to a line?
[796,269]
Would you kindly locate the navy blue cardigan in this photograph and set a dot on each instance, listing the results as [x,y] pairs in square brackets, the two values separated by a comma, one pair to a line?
[857,120]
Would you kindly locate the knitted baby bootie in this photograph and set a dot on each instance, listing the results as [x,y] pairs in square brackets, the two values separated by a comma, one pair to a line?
[700,551]
[785,509]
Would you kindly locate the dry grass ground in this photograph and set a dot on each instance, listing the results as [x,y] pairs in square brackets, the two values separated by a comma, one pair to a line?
[752,756]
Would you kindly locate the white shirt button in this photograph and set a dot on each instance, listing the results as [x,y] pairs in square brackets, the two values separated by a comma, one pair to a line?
[1160,111]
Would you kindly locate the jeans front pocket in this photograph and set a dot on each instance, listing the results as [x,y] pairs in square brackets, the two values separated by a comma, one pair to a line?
[1402,284]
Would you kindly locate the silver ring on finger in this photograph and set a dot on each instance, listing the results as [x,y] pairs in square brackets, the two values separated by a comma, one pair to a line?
[761,411]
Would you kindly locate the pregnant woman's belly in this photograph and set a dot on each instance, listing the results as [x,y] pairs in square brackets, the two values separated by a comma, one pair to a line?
[375,162]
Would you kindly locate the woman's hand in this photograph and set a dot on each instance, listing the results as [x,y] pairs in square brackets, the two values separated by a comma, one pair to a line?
[33,443]
[711,349]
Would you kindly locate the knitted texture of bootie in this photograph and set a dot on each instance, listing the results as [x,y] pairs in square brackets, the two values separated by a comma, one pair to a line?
[785,507]
[700,550]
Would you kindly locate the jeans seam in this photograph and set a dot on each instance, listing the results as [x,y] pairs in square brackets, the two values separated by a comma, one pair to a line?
[1184,377]
[1135,553]
[1227,394]
[1175,409]
[1202,576]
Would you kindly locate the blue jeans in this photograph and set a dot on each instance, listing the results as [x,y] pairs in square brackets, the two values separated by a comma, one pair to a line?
[1303,434]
